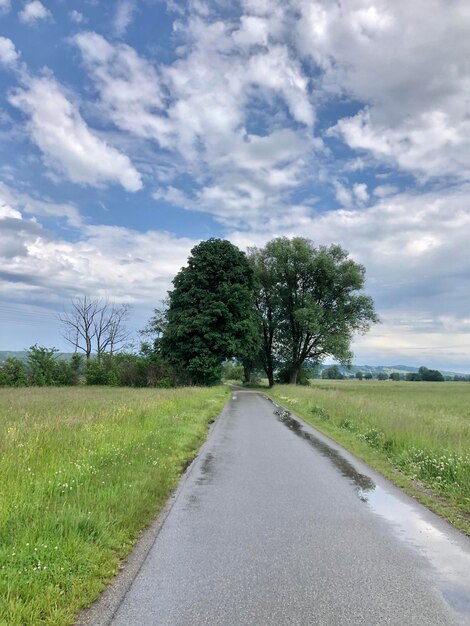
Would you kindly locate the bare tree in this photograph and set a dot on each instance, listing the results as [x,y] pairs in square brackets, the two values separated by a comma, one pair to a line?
[110,331]
[93,324]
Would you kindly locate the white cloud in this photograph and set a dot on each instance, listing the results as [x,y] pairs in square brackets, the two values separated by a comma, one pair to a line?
[77,17]
[8,53]
[343,195]
[5,6]
[382,191]
[409,63]
[126,265]
[34,11]
[124,14]
[431,146]
[199,108]
[360,192]
[253,31]
[36,207]
[277,70]
[440,342]
[6,211]
[68,145]
[129,86]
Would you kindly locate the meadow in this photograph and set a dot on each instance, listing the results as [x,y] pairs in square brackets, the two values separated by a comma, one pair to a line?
[82,472]
[418,434]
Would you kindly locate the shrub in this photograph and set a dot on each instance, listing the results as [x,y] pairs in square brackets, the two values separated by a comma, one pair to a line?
[13,373]
[42,365]
[283,376]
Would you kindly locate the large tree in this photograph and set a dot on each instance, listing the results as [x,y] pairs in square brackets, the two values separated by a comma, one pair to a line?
[311,302]
[210,313]
[267,305]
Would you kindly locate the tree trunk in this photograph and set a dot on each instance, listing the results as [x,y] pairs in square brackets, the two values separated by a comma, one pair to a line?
[247,372]
[270,378]
[293,375]
[269,369]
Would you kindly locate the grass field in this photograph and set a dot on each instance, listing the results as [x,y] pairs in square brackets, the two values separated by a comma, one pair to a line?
[82,471]
[418,434]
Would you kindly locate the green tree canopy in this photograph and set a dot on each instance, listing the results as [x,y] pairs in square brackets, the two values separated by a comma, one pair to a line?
[333,372]
[210,316]
[310,300]
[43,365]
[430,375]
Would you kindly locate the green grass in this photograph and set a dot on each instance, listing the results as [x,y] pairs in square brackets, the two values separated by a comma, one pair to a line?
[418,434]
[82,471]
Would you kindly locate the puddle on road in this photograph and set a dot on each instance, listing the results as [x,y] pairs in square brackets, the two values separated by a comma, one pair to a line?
[207,469]
[450,558]
[363,483]
[205,474]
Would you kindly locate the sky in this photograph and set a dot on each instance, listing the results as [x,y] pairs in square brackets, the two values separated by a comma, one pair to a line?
[131,130]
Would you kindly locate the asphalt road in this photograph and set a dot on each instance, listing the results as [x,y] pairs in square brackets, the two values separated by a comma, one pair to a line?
[274,524]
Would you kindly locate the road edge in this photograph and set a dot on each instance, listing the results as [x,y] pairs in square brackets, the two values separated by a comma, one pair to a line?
[104,608]
[391,475]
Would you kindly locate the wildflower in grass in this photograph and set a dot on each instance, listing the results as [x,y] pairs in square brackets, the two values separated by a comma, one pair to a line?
[439,470]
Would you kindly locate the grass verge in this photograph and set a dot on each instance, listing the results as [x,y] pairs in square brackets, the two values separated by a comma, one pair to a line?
[83,471]
[416,434]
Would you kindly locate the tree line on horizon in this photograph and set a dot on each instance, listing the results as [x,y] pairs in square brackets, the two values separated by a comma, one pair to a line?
[333,372]
[271,310]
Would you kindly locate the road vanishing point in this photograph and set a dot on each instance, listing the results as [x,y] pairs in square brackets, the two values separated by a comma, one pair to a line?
[276,524]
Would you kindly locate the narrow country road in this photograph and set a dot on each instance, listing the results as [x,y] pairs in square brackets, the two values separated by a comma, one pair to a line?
[277,525]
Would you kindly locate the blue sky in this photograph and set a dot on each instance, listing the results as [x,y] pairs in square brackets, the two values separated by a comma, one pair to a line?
[131,130]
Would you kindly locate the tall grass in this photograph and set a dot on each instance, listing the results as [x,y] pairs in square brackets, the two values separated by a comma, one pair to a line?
[422,429]
[82,471]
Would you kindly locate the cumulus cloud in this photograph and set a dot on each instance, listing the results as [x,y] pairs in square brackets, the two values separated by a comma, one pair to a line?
[282,59]
[343,195]
[77,17]
[129,86]
[442,342]
[8,53]
[41,267]
[199,108]
[36,207]
[382,191]
[123,17]
[409,64]
[360,192]
[431,145]
[130,266]
[33,12]
[68,145]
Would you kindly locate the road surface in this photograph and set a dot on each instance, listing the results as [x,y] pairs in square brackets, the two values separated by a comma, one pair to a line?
[275,524]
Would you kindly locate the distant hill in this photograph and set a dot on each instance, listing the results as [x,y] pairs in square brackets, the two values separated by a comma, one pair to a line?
[384,369]
[21,355]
